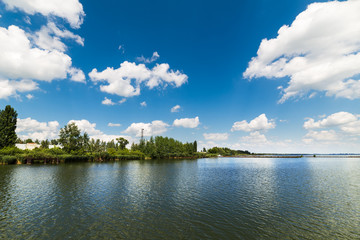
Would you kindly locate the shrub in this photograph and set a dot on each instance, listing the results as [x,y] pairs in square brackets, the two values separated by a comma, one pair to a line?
[8,159]
[10,151]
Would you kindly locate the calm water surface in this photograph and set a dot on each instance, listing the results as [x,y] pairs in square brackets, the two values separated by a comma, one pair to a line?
[224,198]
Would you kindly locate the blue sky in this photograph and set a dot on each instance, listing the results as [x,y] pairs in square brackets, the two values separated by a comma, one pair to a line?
[266,76]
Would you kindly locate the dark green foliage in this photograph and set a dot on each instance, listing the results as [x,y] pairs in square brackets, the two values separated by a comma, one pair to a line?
[71,139]
[10,151]
[164,147]
[122,142]
[45,144]
[8,119]
[8,159]
[79,148]
[226,151]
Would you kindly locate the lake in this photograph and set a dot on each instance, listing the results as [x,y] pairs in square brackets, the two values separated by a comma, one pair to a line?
[224,198]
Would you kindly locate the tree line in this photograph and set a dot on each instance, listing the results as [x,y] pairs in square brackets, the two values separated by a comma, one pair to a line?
[72,146]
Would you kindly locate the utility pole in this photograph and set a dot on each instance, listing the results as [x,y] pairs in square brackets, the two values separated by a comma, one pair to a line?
[142,135]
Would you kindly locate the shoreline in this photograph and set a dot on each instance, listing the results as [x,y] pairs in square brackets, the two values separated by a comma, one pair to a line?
[89,160]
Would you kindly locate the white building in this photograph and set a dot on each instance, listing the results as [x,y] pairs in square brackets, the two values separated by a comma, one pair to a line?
[32,146]
[27,146]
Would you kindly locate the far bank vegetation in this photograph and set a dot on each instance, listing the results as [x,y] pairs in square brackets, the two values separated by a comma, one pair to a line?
[73,146]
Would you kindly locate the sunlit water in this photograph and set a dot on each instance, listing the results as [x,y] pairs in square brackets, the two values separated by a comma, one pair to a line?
[225,198]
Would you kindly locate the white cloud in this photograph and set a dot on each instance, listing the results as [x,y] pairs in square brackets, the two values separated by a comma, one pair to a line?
[18,59]
[143,104]
[49,38]
[150,129]
[175,108]
[187,122]
[90,128]
[336,119]
[38,56]
[77,75]
[71,10]
[260,123]
[107,101]
[320,136]
[114,124]
[255,137]
[125,81]
[31,128]
[11,88]
[216,136]
[344,123]
[85,126]
[153,58]
[29,96]
[319,52]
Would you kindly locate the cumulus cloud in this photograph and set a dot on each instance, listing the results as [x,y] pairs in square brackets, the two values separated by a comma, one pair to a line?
[11,88]
[216,136]
[114,124]
[336,119]
[150,129]
[70,10]
[90,128]
[320,51]
[260,123]
[320,136]
[18,59]
[125,81]
[255,137]
[86,126]
[31,128]
[343,123]
[187,122]
[107,101]
[38,56]
[153,58]
[49,37]
[77,75]
[21,60]
[176,108]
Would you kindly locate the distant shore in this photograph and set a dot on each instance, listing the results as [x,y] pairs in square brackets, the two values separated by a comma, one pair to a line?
[296,156]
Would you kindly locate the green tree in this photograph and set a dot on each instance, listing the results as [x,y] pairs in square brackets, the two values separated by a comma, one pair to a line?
[8,119]
[122,142]
[45,144]
[70,138]
[85,142]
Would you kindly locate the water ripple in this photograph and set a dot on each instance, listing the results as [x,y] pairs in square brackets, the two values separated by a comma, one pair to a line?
[205,198]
